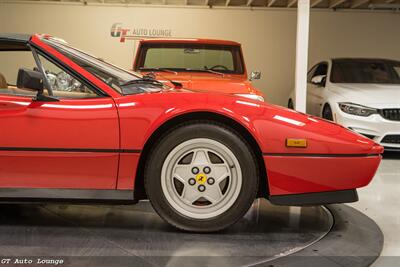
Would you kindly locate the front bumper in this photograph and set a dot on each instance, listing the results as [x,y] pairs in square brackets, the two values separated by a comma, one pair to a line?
[319,198]
[382,131]
[292,174]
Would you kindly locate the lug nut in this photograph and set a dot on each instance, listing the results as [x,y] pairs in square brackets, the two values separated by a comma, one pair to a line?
[207,170]
[195,170]
[192,181]
[201,188]
[210,181]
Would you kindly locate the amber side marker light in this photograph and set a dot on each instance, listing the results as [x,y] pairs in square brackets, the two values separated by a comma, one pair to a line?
[290,142]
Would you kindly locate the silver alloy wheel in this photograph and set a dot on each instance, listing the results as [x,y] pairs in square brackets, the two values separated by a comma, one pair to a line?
[201,178]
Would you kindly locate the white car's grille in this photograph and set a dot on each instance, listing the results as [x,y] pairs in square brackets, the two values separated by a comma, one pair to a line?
[392,114]
[391,139]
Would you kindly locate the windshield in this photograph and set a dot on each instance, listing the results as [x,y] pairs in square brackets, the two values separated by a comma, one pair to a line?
[117,78]
[365,71]
[191,57]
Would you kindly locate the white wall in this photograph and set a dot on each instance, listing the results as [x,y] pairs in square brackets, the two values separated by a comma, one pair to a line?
[268,36]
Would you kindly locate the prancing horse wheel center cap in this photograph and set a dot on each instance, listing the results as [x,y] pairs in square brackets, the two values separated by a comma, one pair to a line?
[201,178]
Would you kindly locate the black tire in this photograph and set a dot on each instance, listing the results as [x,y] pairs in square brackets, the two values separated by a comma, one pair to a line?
[290,104]
[327,112]
[219,133]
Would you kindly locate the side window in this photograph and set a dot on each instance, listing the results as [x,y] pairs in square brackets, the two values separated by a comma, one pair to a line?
[319,69]
[311,73]
[397,72]
[322,69]
[64,85]
[10,63]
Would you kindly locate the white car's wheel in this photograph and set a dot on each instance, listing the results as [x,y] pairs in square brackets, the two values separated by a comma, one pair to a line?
[201,177]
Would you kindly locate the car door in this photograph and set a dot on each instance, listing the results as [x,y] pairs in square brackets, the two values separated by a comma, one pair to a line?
[70,143]
[315,91]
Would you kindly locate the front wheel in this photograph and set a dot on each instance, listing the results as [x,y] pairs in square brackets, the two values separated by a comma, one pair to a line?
[201,177]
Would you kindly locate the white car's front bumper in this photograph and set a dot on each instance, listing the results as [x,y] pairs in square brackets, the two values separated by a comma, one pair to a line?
[383,131]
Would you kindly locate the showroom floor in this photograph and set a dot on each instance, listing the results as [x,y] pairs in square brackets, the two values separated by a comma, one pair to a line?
[380,201]
[268,235]
[81,235]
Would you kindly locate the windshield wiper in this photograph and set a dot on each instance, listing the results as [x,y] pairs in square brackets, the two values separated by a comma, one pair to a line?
[208,70]
[152,75]
[159,69]
[144,80]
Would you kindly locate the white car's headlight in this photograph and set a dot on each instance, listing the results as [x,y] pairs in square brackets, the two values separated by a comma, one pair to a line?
[357,110]
[252,96]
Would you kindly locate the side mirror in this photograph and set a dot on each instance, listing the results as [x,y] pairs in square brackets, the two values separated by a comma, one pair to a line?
[255,75]
[33,80]
[30,79]
[319,80]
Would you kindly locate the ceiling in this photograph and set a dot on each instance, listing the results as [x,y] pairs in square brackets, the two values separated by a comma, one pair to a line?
[376,5]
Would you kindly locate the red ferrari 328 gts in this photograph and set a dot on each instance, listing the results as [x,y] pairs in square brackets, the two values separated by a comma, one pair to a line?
[76,128]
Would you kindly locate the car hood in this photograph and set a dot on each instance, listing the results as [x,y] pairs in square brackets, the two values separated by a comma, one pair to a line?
[206,82]
[372,95]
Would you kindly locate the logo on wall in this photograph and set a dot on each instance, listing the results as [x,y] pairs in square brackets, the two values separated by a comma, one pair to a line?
[117,31]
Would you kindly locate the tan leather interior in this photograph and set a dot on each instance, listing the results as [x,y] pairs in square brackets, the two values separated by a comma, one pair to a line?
[3,82]
[12,90]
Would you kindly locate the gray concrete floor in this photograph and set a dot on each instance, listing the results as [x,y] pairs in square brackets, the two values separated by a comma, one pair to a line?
[380,200]
[137,236]
[265,232]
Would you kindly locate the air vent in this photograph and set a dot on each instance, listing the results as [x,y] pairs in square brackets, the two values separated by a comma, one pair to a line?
[392,114]
[391,139]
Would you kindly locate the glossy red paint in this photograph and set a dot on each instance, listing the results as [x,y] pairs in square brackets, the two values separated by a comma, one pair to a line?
[269,125]
[73,170]
[302,174]
[67,125]
[335,158]
[200,81]
[128,164]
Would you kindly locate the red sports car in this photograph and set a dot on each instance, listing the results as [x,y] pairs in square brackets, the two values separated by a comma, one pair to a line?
[76,128]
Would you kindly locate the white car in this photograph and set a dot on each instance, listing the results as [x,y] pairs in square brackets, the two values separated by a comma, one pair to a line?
[361,94]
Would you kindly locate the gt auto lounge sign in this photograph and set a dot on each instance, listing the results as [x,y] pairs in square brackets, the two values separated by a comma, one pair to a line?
[118,31]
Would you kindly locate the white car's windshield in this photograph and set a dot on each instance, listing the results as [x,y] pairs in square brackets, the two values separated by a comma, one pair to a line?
[365,71]
[119,79]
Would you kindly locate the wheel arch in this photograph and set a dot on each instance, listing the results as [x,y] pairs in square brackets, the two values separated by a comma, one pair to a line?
[139,191]
[326,104]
